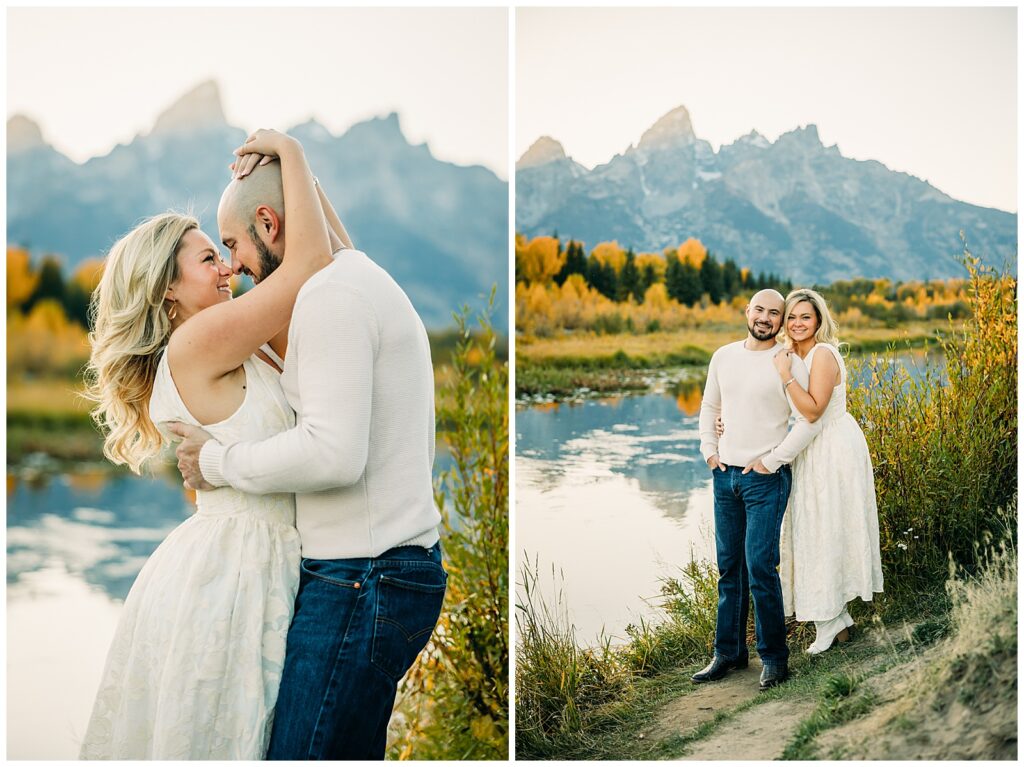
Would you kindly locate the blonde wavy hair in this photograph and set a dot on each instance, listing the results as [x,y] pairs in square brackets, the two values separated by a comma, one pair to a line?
[828,328]
[130,328]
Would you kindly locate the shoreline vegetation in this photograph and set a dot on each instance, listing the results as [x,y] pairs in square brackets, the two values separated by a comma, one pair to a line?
[931,670]
[566,365]
[49,426]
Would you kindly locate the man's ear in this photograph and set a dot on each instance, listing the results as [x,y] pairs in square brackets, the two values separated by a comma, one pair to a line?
[268,222]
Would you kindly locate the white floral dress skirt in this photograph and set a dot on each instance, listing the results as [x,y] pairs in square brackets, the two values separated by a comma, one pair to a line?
[829,545]
[196,661]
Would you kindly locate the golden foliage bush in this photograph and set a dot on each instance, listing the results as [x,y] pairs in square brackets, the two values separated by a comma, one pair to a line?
[45,342]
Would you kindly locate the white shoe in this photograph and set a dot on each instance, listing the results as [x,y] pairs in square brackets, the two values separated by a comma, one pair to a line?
[828,631]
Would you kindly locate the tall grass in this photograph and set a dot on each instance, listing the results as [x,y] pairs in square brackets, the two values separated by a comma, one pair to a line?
[558,682]
[944,445]
[565,693]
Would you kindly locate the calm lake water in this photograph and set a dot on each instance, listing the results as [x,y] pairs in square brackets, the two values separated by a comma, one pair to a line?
[76,540]
[614,495]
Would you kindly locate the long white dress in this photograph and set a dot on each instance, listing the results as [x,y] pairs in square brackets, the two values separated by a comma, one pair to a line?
[196,661]
[829,544]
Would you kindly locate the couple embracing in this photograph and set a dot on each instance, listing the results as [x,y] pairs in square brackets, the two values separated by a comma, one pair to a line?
[820,468]
[277,621]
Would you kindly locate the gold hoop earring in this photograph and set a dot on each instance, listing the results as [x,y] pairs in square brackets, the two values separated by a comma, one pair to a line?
[173,312]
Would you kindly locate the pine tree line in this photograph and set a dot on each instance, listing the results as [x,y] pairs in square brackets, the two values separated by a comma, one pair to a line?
[684,281]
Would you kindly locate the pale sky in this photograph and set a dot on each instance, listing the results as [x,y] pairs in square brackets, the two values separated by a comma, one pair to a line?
[96,77]
[926,91]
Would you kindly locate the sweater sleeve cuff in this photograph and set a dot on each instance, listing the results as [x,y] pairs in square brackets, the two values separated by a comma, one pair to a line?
[211,463]
[708,450]
[771,462]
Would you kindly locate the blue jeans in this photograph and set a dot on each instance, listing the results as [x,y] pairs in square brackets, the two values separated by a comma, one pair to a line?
[358,626]
[748,520]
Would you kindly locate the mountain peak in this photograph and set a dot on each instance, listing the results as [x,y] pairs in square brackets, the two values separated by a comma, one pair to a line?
[672,129]
[806,135]
[754,139]
[198,109]
[311,129]
[23,133]
[541,152]
[387,128]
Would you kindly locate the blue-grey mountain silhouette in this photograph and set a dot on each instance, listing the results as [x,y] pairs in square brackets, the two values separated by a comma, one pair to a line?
[440,229]
[793,207]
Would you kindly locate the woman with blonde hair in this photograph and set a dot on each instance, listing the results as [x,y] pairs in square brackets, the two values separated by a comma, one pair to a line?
[829,547]
[195,664]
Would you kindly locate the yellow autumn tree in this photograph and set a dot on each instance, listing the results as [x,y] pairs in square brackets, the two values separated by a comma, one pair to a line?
[21,279]
[653,260]
[87,275]
[539,260]
[610,253]
[45,342]
[657,297]
[692,251]
[575,288]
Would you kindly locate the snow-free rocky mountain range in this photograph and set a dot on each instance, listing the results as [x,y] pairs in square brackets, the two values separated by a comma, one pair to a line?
[793,207]
[440,229]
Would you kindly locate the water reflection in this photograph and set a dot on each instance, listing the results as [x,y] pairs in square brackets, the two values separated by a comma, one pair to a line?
[614,493]
[101,526]
[643,438]
[58,633]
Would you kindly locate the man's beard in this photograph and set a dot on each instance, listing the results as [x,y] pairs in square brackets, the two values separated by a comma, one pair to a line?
[268,261]
[763,335]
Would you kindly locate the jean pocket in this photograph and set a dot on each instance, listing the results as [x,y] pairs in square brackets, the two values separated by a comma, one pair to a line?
[335,573]
[407,611]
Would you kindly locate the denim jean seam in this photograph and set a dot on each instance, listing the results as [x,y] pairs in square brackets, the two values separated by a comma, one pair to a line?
[399,583]
[344,582]
[780,507]
[417,564]
[315,743]
[421,588]
[354,585]
[409,638]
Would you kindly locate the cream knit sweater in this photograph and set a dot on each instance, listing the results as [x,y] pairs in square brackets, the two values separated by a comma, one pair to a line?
[745,388]
[358,375]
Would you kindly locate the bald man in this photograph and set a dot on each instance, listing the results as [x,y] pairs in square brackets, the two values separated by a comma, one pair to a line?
[752,480]
[251,221]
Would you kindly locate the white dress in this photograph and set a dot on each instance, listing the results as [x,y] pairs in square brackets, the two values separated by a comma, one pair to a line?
[829,544]
[196,660]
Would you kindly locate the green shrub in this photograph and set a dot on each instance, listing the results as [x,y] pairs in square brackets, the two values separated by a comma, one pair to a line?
[944,444]
[455,700]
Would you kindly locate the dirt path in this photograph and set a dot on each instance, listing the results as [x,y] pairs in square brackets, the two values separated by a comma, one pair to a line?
[684,715]
[761,732]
